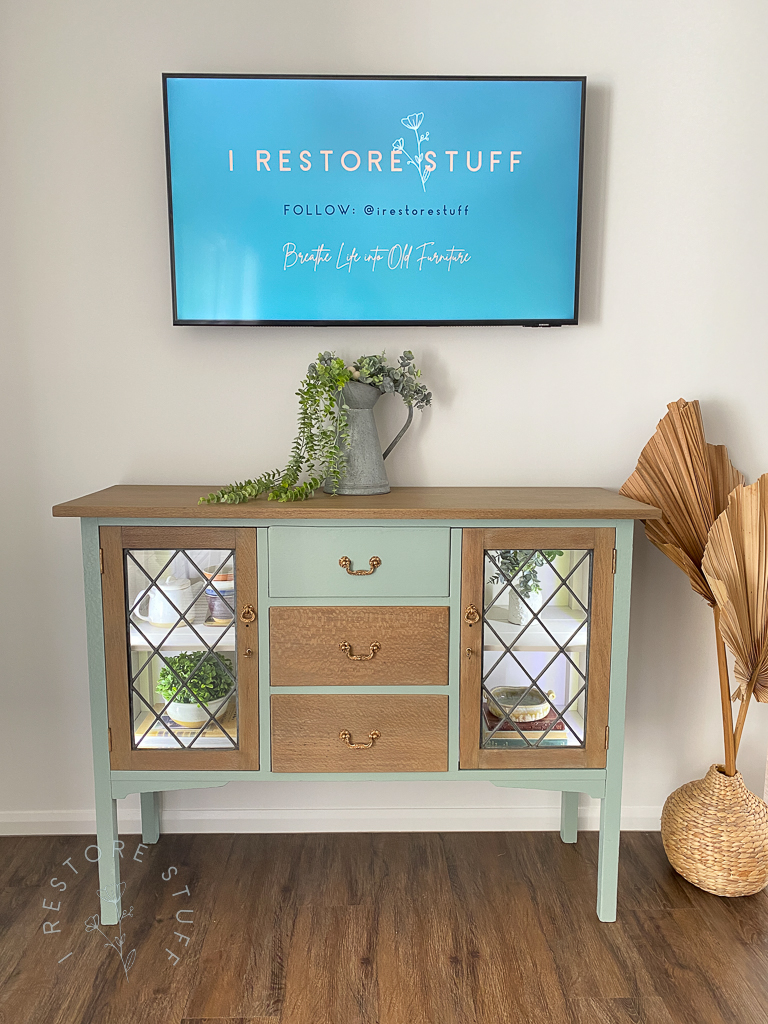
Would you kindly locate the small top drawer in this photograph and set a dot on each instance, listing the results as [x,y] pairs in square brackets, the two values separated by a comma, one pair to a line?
[408,562]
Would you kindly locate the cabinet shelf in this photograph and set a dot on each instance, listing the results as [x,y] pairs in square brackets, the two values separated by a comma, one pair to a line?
[150,733]
[510,739]
[182,638]
[559,620]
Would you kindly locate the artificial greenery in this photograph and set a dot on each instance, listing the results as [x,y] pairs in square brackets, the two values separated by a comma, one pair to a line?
[319,451]
[521,566]
[402,379]
[209,682]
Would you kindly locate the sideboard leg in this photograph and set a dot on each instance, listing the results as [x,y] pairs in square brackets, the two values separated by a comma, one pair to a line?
[150,818]
[610,803]
[109,855]
[106,806]
[608,854]
[569,817]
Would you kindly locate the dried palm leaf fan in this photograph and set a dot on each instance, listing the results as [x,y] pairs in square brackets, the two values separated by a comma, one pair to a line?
[715,831]
[735,565]
[689,480]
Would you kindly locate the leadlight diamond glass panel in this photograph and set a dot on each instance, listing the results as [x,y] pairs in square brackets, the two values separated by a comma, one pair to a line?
[182,667]
[536,625]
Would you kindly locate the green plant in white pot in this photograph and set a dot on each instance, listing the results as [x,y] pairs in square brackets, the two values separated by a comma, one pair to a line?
[518,568]
[208,686]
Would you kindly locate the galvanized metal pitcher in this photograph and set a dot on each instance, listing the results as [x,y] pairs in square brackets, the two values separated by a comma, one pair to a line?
[365,472]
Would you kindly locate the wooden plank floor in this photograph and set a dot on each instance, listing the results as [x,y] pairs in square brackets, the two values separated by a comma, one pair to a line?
[397,928]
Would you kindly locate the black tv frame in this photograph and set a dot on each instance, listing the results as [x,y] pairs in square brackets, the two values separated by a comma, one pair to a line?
[385,323]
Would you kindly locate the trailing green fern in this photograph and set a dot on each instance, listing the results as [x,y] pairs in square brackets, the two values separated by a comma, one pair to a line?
[318,452]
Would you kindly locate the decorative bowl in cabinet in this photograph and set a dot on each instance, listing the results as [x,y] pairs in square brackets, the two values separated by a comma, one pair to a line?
[521,703]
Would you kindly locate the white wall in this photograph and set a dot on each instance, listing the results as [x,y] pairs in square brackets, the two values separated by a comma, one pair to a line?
[95,376]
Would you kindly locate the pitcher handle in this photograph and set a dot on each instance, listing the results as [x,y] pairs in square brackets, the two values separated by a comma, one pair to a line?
[138,605]
[407,424]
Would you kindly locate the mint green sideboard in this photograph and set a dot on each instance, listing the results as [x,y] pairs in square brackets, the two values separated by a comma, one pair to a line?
[169,582]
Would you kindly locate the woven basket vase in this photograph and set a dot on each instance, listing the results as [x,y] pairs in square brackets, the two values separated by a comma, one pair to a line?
[715,833]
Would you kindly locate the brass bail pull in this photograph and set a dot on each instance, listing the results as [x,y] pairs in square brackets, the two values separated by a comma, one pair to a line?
[346,648]
[248,614]
[471,615]
[346,563]
[346,736]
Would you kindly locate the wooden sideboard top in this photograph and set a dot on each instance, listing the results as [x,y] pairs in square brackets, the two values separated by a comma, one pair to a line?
[141,501]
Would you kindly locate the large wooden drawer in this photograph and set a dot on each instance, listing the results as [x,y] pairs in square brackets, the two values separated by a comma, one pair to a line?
[304,561]
[306,728]
[396,646]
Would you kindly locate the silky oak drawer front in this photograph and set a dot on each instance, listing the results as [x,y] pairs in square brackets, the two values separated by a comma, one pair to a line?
[358,646]
[304,561]
[337,733]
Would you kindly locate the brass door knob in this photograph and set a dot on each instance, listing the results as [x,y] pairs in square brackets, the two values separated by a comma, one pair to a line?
[248,614]
[471,615]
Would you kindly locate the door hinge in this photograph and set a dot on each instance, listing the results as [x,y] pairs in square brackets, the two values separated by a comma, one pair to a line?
[613,562]
[101,560]
[607,735]
[109,739]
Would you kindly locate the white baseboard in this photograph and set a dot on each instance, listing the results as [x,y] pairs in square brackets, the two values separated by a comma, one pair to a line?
[332,819]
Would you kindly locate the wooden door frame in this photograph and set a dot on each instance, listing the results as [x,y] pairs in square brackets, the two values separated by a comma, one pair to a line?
[113,541]
[475,541]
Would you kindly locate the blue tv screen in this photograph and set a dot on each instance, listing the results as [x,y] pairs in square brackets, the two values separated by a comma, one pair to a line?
[353,201]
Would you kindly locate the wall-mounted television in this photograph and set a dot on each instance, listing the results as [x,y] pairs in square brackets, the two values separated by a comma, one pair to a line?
[318,200]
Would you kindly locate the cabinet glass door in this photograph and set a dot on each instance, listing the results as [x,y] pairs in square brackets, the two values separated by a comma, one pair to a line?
[537,631]
[536,625]
[184,616]
[180,612]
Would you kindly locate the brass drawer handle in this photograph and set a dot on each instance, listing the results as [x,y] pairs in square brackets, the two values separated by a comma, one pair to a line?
[248,614]
[471,615]
[346,647]
[346,563]
[346,736]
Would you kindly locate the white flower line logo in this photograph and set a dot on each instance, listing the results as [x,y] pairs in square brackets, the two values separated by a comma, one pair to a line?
[413,121]
[113,894]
